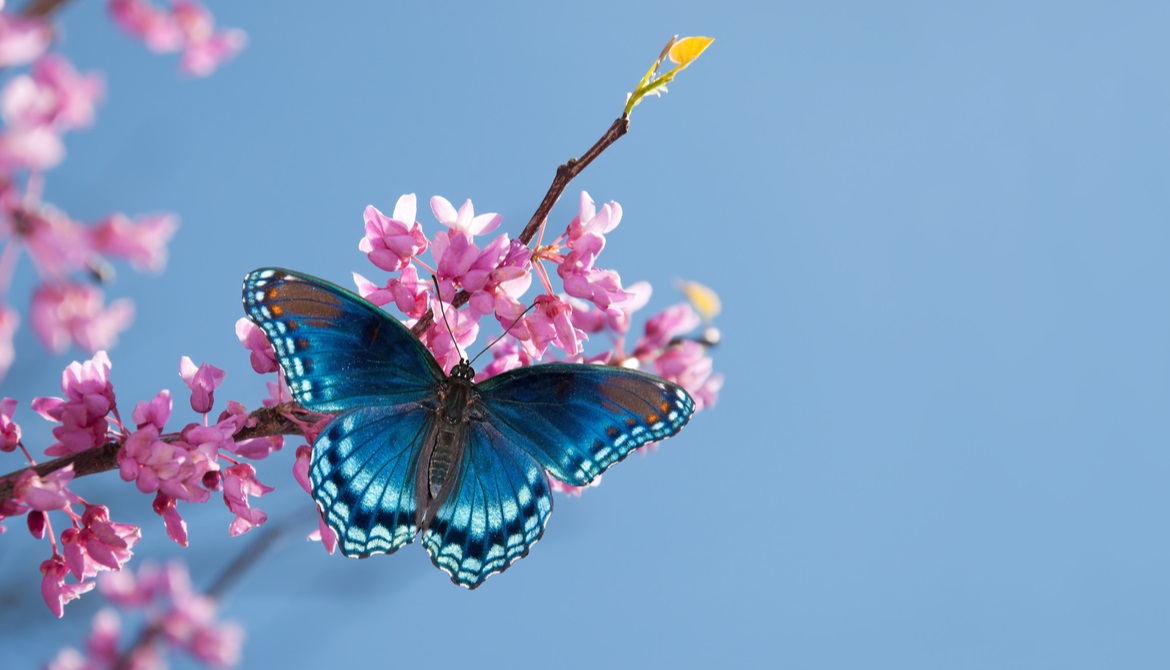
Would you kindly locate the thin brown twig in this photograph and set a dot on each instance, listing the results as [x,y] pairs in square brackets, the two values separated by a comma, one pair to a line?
[565,174]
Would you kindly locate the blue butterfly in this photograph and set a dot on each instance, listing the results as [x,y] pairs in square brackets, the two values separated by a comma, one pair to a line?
[413,449]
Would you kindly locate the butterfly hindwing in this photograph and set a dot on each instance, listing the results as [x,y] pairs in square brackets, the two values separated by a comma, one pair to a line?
[338,351]
[363,476]
[494,514]
[577,420]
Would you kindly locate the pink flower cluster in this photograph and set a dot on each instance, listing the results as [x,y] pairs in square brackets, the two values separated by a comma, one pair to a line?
[186,27]
[175,614]
[498,274]
[38,107]
[188,465]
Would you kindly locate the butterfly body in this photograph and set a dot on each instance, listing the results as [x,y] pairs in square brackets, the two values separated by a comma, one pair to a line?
[412,449]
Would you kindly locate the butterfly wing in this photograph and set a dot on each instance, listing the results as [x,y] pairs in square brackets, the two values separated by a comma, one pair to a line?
[495,512]
[577,420]
[363,475]
[338,351]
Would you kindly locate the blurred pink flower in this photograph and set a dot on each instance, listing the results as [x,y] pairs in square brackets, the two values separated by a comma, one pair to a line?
[32,148]
[143,241]
[204,48]
[688,365]
[157,28]
[22,39]
[9,430]
[68,312]
[9,321]
[53,94]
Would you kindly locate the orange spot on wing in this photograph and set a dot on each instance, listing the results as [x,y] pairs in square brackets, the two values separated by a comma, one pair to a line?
[651,418]
[631,421]
[276,310]
[612,431]
[664,407]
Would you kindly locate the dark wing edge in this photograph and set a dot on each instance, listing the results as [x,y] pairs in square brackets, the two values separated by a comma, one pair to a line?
[577,420]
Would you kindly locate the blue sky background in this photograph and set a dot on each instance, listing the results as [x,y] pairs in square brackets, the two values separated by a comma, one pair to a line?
[940,234]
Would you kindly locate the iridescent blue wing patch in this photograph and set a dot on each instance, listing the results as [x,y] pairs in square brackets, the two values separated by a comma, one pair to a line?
[337,350]
[577,420]
[495,513]
[363,476]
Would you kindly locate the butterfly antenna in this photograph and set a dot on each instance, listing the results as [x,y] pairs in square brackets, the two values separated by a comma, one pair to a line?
[506,331]
[443,311]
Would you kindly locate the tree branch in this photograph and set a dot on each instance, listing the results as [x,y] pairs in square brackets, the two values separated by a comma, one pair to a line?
[269,421]
[42,8]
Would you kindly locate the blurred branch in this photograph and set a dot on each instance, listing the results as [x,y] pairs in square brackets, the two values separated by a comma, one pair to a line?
[42,8]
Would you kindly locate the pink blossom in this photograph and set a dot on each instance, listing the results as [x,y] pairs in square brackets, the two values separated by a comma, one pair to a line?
[261,355]
[239,482]
[278,393]
[551,323]
[668,324]
[54,94]
[391,242]
[157,28]
[438,339]
[507,355]
[9,430]
[406,291]
[71,312]
[454,254]
[143,241]
[33,148]
[498,277]
[53,587]
[167,508]
[202,381]
[22,39]
[82,414]
[46,493]
[99,544]
[687,364]
[187,26]
[205,48]
[586,232]
[156,412]
[465,221]
[102,644]
[176,468]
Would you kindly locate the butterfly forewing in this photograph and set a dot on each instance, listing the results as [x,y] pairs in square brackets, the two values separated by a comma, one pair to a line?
[578,420]
[337,350]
